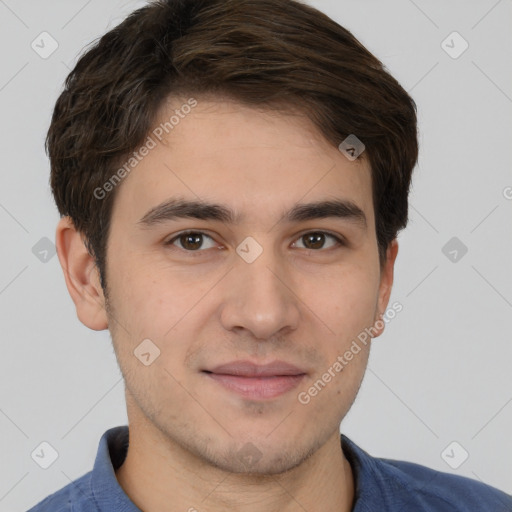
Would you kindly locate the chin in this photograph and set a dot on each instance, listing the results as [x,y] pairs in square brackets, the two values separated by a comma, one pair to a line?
[259,457]
[264,464]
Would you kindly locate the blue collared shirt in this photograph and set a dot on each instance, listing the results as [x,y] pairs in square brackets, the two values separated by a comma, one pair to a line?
[381,485]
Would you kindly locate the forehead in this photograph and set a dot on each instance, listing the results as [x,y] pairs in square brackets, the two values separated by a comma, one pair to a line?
[257,162]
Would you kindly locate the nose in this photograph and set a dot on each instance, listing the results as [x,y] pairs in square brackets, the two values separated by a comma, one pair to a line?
[261,298]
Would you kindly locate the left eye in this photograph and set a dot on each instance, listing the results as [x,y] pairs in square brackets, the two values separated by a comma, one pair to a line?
[316,240]
[193,241]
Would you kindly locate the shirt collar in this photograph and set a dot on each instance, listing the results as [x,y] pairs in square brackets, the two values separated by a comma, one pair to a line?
[113,446]
[107,492]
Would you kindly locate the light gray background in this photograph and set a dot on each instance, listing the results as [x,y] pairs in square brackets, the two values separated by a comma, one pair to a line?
[440,373]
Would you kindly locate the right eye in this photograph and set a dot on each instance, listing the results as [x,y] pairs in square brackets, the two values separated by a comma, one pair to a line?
[189,241]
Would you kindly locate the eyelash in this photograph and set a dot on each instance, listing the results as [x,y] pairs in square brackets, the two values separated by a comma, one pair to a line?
[340,241]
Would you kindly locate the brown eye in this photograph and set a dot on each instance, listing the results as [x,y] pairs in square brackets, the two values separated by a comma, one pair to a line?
[190,241]
[314,240]
[317,239]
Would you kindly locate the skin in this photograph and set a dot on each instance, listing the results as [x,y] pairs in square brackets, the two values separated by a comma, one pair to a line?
[293,303]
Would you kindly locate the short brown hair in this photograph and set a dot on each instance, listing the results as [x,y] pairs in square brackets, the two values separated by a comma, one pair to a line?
[265,53]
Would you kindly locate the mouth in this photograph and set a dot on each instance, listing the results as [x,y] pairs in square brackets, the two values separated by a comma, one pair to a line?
[257,382]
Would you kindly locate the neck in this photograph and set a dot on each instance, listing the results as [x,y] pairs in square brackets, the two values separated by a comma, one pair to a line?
[159,475]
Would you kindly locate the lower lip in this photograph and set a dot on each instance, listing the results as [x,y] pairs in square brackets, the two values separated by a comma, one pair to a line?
[257,388]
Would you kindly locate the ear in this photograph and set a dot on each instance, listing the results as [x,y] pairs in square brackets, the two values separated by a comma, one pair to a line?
[385,286]
[81,275]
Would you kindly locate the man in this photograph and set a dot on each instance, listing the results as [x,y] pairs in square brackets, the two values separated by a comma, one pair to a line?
[232,176]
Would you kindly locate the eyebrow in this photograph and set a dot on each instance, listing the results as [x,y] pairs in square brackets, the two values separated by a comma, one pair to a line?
[173,209]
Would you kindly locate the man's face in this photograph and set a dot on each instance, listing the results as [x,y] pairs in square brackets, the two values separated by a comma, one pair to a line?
[210,298]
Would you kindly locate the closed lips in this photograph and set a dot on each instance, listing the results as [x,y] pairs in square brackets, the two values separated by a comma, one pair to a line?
[256,382]
[250,369]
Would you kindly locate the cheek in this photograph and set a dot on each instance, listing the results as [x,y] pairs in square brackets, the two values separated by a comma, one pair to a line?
[144,295]
[346,299]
